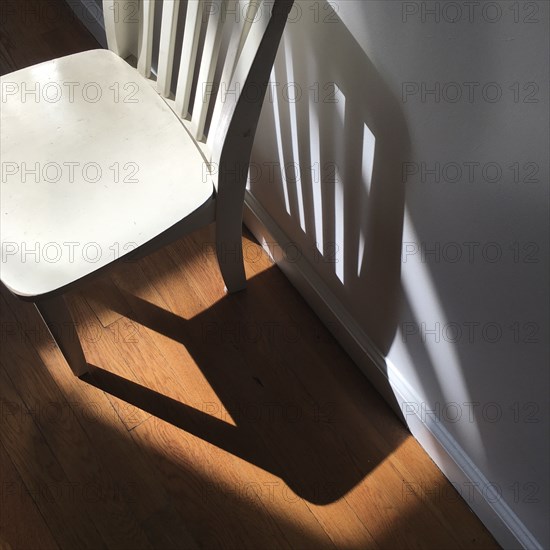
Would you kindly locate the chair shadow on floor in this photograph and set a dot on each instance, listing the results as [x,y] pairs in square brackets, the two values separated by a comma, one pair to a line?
[66,439]
[307,436]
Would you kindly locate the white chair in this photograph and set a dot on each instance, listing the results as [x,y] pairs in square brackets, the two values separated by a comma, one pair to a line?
[99,160]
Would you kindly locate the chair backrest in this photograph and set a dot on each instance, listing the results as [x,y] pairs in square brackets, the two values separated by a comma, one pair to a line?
[225,58]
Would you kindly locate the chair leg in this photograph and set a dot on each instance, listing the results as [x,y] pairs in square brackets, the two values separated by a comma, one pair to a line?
[60,323]
[229,250]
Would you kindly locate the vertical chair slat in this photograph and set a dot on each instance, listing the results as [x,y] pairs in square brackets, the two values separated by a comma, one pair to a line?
[250,18]
[166,46]
[120,27]
[238,36]
[190,44]
[208,66]
[145,47]
[248,47]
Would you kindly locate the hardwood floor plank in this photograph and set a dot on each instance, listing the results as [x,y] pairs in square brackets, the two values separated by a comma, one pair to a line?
[95,489]
[33,31]
[19,511]
[128,463]
[42,474]
[196,355]
[111,303]
[379,441]
[210,520]
[101,347]
[378,432]
[190,382]
[345,527]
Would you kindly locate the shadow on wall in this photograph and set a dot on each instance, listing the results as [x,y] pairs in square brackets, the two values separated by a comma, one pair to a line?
[352,217]
[340,139]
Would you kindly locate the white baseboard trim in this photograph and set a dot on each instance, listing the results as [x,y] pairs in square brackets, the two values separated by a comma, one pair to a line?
[450,457]
[91,16]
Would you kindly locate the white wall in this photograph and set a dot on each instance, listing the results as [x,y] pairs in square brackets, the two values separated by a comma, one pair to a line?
[467,335]
[460,331]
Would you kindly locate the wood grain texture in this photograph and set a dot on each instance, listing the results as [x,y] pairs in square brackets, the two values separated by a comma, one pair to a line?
[246,425]
[32,31]
[20,510]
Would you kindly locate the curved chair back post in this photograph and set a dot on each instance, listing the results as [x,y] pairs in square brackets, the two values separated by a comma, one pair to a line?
[235,137]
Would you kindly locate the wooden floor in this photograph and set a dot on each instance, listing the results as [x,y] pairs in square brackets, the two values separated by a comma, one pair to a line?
[209,421]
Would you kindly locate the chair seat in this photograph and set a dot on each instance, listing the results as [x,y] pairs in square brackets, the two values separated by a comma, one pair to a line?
[94,164]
